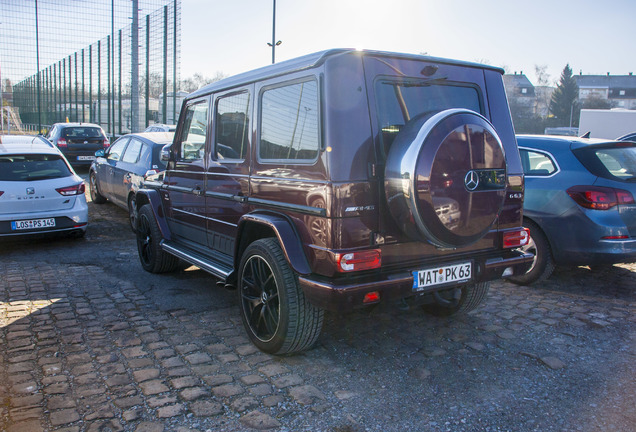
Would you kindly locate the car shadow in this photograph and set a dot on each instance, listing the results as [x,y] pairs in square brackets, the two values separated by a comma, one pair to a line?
[610,282]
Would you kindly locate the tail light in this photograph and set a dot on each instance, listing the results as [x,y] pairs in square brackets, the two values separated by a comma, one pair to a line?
[72,190]
[106,143]
[358,261]
[516,238]
[1,192]
[599,198]
[61,142]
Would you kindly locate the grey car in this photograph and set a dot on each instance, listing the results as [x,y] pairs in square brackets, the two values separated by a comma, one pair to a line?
[579,202]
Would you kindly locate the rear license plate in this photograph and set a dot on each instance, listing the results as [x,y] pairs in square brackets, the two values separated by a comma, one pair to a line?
[423,279]
[86,158]
[32,224]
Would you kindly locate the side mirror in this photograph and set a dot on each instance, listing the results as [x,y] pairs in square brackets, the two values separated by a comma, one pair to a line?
[100,153]
[165,153]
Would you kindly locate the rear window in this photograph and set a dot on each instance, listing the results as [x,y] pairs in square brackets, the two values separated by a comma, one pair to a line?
[399,101]
[615,162]
[32,167]
[157,163]
[82,132]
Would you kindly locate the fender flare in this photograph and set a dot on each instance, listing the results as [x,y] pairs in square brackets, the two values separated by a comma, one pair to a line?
[152,197]
[286,234]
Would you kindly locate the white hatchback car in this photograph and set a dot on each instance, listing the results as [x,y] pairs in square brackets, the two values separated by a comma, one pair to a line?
[39,191]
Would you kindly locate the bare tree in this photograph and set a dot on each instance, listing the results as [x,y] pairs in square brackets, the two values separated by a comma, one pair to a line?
[197,81]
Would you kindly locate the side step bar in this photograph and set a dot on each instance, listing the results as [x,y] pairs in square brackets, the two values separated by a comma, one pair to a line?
[218,269]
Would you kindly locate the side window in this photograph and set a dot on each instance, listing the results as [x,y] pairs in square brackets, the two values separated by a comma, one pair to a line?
[289,123]
[115,151]
[232,126]
[536,163]
[132,151]
[192,145]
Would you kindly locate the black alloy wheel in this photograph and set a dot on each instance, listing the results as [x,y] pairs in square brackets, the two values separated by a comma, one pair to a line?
[275,313]
[153,259]
[261,302]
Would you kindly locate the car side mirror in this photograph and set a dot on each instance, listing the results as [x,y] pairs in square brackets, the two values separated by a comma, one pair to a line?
[100,153]
[165,153]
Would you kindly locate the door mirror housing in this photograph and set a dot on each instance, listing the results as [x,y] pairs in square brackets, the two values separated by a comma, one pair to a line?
[165,153]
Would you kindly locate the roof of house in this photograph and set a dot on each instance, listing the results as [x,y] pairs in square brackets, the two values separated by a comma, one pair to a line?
[606,81]
[518,82]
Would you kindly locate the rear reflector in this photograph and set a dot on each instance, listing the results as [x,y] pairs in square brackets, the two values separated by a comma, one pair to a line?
[357,261]
[599,198]
[72,190]
[619,237]
[1,192]
[516,238]
[371,297]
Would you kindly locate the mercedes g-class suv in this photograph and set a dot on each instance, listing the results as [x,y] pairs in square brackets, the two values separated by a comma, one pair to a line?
[337,180]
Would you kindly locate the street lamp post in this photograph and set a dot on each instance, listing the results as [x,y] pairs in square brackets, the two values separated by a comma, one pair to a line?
[274,43]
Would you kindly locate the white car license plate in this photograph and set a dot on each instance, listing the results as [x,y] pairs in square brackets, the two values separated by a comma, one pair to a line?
[32,224]
[86,158]
[423,279]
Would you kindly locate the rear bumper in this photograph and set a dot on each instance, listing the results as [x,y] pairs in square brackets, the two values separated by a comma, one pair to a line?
[73,219]
[603,252]
[348,294]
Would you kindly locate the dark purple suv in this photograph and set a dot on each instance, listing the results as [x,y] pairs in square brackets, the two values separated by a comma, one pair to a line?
[337,180]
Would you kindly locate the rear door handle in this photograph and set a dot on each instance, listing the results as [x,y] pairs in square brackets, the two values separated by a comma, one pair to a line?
[197,191]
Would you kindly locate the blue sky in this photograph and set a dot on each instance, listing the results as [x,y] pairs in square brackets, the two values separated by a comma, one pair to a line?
[592,36]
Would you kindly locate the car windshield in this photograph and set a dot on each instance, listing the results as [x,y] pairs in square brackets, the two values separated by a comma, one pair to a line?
[615,162]
[32,167]
[399,101]
[82,132]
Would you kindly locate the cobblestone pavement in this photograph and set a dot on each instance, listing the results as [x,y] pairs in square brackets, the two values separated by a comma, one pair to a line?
[91,342]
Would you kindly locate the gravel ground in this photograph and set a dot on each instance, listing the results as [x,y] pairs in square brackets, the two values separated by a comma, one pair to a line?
[92,342]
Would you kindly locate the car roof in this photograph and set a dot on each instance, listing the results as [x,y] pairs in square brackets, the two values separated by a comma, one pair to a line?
[77,125]
[316,59]
[560,142]
[154,137]
[21,144]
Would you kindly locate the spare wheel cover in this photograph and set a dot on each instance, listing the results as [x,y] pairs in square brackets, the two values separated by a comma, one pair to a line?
[445,178]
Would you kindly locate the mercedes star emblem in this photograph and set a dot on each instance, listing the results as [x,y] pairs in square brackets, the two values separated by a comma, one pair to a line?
[471,181]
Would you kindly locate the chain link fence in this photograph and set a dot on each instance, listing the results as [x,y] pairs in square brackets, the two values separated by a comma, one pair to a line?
[111,62]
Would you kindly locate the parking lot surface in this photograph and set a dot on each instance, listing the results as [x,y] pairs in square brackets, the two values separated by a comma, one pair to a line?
[91,342]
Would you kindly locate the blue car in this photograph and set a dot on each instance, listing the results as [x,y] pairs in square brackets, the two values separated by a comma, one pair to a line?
[118,172]
[579,202]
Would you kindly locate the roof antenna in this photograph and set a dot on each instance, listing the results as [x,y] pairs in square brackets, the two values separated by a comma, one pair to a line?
[585,135]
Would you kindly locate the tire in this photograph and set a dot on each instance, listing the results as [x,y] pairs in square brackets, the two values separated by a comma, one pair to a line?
[132,212]
[96,197]
[543,263]
[276,315]
[458,300]
[153,259]
[445,178]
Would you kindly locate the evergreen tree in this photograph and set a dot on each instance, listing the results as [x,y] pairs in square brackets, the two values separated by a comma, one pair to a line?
[564,103]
